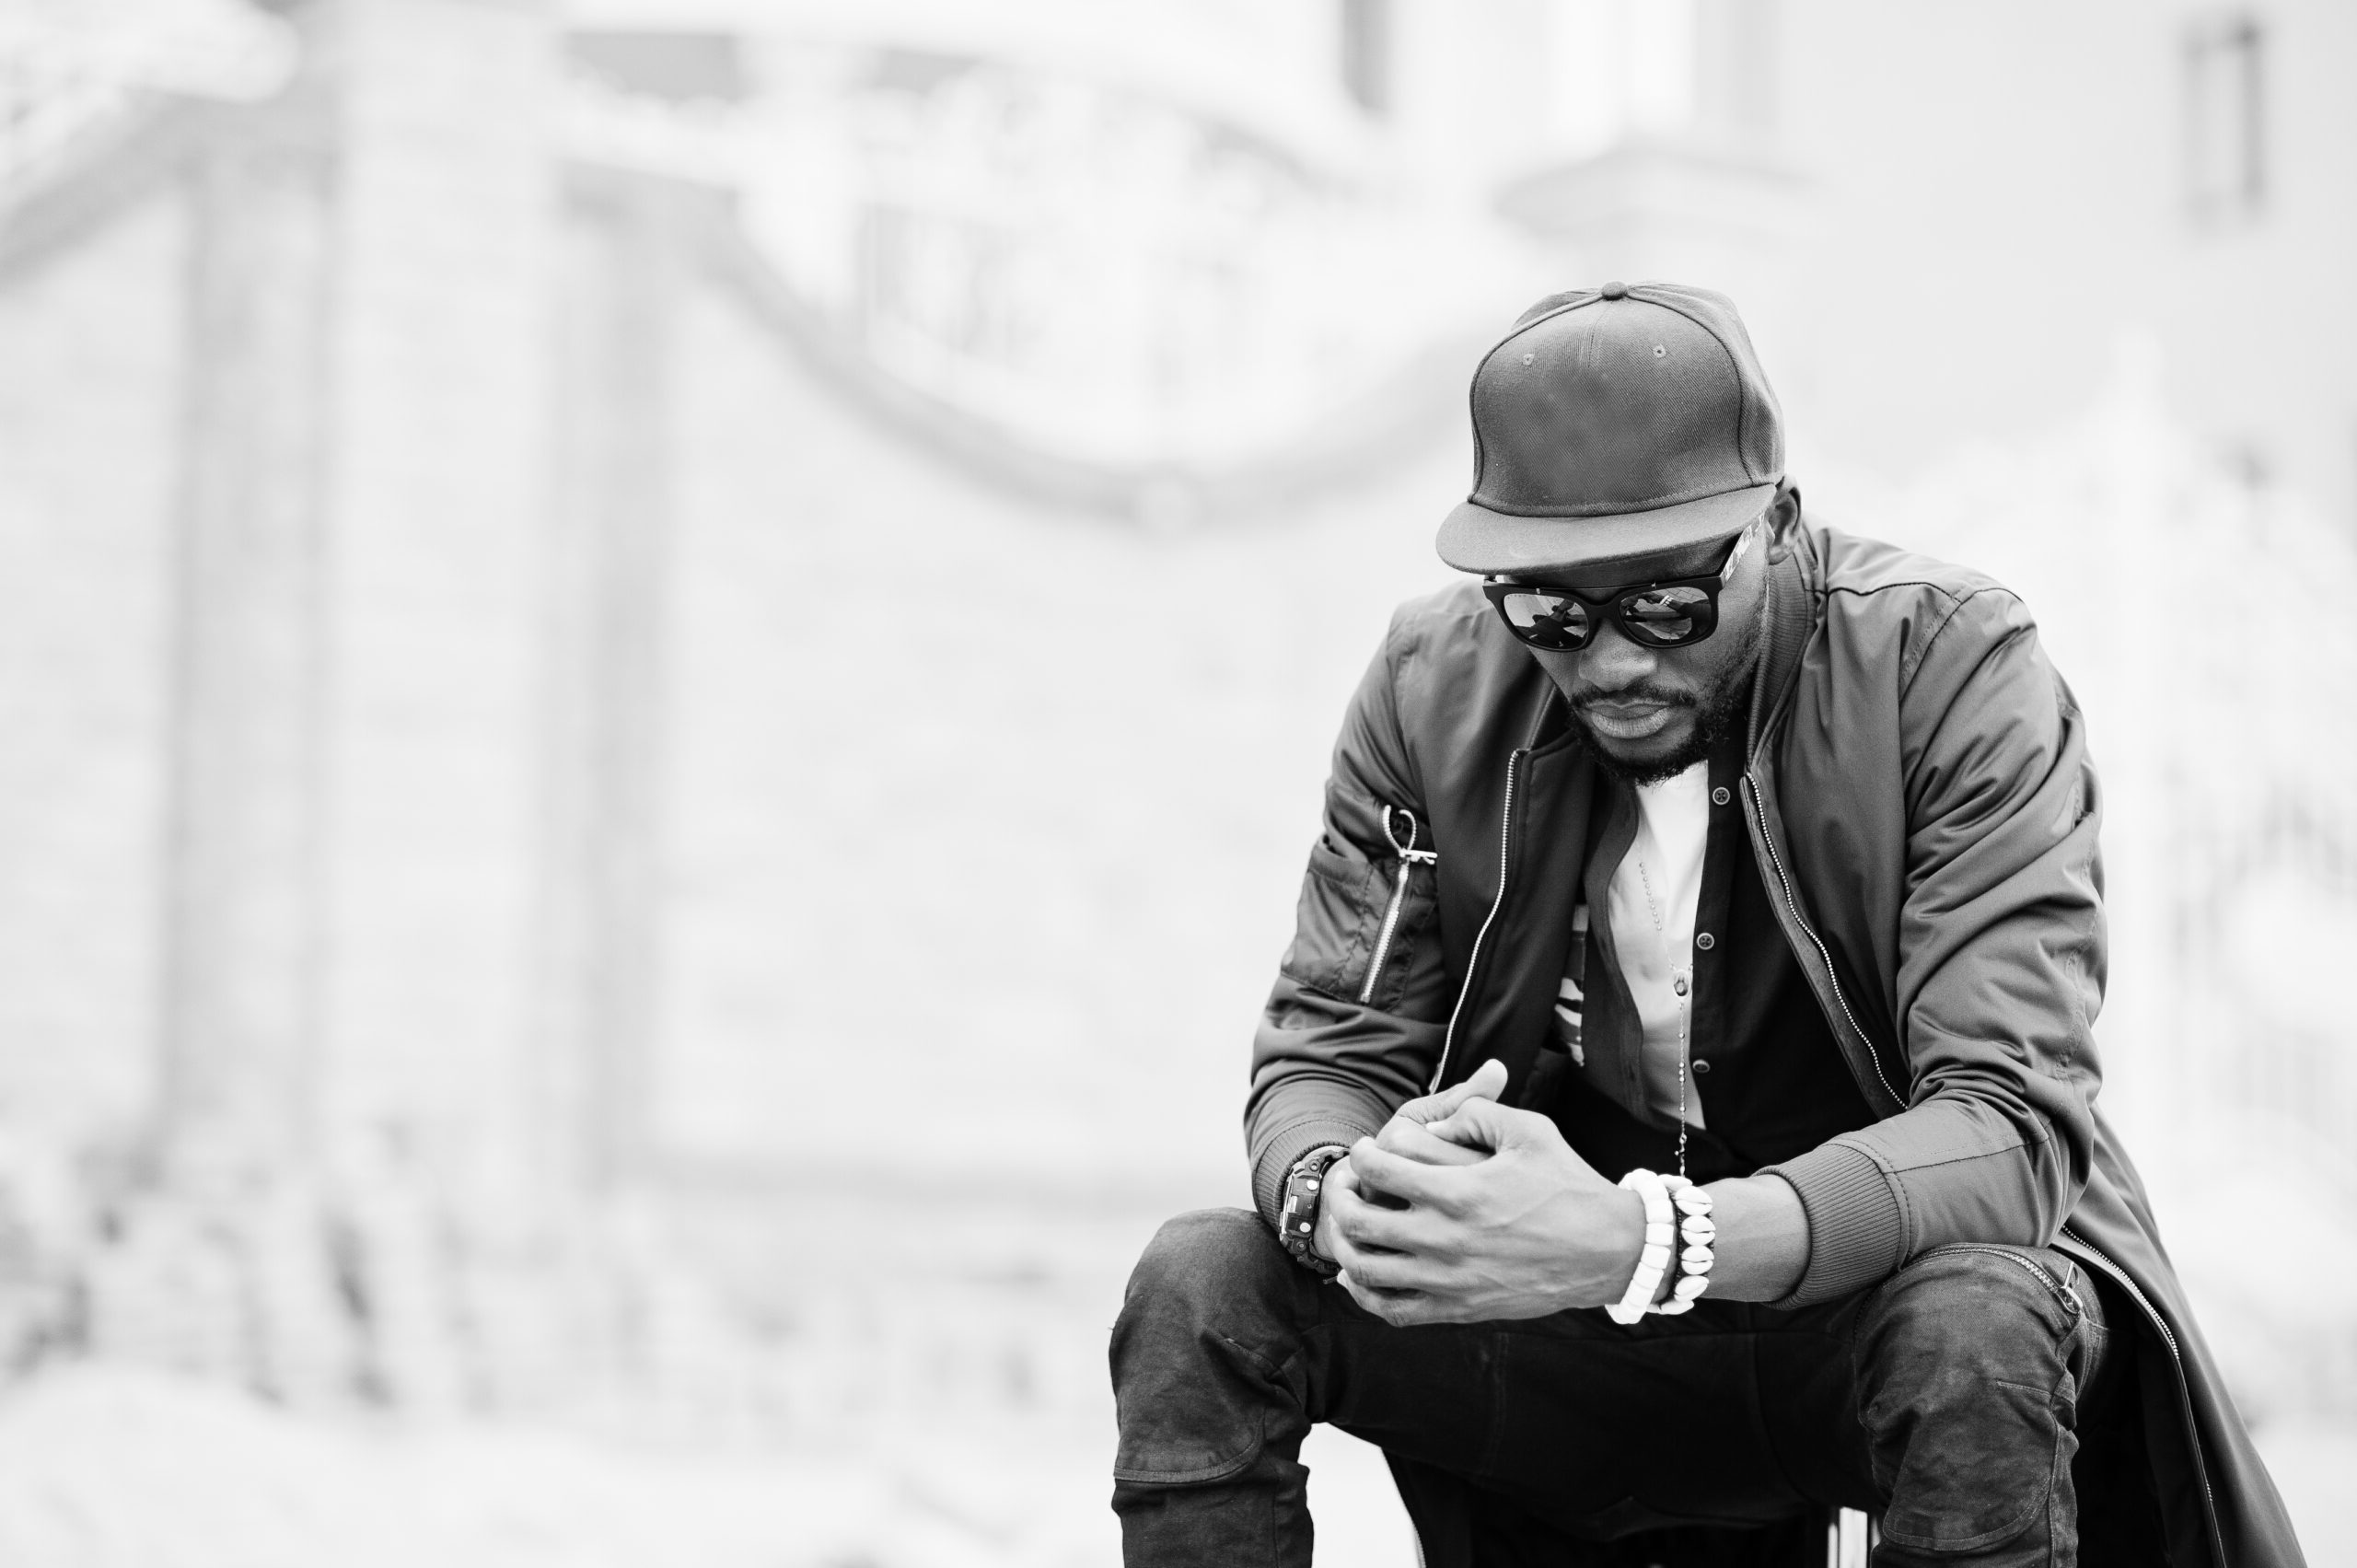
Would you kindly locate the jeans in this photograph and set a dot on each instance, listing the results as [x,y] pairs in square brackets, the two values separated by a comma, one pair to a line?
[1946,1399]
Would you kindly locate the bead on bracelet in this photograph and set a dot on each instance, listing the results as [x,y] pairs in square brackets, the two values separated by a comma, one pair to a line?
[1697,1233]
[1653,1259]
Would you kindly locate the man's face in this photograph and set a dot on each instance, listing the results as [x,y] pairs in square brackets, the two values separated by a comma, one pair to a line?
[1649,713]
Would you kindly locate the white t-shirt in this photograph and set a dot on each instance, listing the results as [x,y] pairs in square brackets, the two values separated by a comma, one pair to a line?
[1654,897]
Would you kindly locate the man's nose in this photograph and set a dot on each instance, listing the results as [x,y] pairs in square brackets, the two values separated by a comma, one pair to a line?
[1611,662]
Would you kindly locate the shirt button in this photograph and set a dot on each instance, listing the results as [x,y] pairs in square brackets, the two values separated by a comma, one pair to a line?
[1705,941]
[1720,797]
[1702,1067]
[1678,985]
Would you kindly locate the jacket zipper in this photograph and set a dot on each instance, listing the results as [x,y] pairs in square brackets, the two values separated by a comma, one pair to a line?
[1473,960]
[1832,981]
[1410,857]
[2184,1390]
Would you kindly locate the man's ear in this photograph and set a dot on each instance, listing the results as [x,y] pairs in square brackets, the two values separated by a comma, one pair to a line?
[1784,519]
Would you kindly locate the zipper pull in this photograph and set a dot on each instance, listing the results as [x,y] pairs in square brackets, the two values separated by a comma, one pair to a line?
[1406,852]
[2069,1282]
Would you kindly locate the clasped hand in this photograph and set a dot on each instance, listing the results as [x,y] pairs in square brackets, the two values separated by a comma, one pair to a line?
[1462,1211]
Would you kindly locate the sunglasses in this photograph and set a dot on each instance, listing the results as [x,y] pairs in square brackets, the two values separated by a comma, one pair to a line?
[1675,615]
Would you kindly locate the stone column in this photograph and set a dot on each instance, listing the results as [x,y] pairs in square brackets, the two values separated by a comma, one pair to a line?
[245,874]
[438,342]
[614,475]
[360,738]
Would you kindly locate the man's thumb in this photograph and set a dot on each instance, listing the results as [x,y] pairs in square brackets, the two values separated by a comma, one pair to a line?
[1488,1082]
[1479,1124]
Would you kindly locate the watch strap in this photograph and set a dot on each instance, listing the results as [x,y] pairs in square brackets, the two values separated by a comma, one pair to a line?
[1297,1215]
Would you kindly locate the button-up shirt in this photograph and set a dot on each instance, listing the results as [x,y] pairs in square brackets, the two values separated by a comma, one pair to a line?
[1765,1080]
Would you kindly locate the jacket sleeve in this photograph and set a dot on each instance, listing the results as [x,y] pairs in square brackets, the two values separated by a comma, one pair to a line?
[2000,974]
[1355,1023]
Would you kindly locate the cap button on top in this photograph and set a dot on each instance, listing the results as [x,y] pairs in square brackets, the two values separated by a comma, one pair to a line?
[1616,291]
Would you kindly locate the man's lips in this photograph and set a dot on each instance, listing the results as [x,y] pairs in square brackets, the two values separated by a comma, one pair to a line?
[1627,718]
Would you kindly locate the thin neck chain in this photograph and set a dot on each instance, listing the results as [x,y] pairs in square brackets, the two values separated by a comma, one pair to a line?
[1646,880]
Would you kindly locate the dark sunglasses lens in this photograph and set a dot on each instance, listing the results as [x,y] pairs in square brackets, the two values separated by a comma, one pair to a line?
[1667,617]
[1544,619]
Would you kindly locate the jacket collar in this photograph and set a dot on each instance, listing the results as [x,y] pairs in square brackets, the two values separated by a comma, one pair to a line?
[1793,573]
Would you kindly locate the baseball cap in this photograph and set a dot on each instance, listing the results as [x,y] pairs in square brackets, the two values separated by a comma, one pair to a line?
[1614,422]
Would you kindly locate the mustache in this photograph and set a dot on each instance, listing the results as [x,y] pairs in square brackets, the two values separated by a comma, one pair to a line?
[1668,699]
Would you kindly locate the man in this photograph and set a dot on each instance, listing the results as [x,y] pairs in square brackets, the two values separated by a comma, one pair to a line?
[1698,842]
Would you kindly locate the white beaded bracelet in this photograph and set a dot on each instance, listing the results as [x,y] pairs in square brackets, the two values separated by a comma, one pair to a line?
[1655,1256]
[1676,1210]
[1697,1231]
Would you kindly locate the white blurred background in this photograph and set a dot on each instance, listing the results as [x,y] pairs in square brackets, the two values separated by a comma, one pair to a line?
[664,665]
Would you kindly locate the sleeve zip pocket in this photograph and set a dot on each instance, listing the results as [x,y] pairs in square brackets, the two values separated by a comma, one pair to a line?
[1409,857]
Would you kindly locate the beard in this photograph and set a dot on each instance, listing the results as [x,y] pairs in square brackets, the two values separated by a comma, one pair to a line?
[1717,712]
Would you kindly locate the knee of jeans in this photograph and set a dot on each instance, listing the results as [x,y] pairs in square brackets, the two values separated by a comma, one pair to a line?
[1211,1255]
[1203,1353]
[1966,1392]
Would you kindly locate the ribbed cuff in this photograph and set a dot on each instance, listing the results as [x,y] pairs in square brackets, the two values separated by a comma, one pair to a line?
[1855,1231]
[1277,1158]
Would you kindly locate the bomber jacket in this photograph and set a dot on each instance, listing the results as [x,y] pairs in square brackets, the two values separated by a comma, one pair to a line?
[1921,805]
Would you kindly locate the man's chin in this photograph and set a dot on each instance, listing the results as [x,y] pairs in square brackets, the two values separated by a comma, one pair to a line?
[1666,753]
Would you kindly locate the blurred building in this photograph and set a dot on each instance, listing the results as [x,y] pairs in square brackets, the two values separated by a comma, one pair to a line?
[1938,224]
[656,639]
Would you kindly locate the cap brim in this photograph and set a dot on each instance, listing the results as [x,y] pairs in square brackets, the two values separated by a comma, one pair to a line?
[1475,538]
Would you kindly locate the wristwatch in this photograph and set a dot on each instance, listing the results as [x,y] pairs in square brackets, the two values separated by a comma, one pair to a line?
[1297,1218]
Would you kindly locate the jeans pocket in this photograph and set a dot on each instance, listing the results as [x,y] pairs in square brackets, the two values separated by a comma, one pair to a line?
[1203,1474]
[1205,1432]
[1982,1485]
